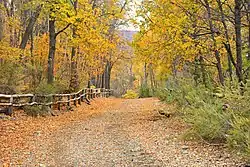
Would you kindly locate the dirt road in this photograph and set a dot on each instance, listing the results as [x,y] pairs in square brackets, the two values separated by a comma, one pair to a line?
[127,133]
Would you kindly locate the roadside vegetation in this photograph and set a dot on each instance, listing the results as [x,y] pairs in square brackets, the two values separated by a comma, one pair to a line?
[196,55]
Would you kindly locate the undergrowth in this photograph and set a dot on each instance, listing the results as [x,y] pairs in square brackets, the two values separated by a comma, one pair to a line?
[215,114]
[130,94]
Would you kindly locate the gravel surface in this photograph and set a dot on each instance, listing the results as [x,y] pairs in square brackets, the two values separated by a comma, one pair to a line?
[129,133]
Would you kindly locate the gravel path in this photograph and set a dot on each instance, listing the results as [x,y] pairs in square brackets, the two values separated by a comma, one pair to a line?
[130,133]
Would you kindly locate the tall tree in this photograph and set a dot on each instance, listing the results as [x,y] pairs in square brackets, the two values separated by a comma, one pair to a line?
[29,28]
[1,21]
[55,8]
[216,51]
[238,41]
[74,78]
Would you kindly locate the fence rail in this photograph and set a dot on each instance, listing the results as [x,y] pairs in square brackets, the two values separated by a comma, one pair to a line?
[22,100]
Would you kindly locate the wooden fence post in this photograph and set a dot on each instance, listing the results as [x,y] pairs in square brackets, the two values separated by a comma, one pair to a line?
[98,92]
[59,104]
[68,100]
[33,99]
[51,99]
[87,93]
[10,109]
[91,93]
[83,92]
[79,96]
[54,101]
[101,92]
[74,96]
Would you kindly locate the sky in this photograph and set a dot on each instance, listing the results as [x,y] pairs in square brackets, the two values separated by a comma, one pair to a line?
[131,14]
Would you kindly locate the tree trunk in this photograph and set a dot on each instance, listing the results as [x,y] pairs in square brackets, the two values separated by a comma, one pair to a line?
[107,75]
[105,83]
[74,79]
[203,71]
[238,5]
[1,22]
[103,80]
[32,60]
[217,53]
[11,29]
[52,49]
[145,80]
[30,27]
[97,81]
[151,77]
[227,44]
[248,20]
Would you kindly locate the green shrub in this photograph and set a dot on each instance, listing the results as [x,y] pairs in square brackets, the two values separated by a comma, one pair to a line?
[36,111]
[130,94]
[145,92]
[165,95]
[208,121]
[239,135]
[185,93]
[218,114]
[11,75]
[45,89]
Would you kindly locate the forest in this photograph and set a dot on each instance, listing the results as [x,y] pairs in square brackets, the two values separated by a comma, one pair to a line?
[61,45]
[191,54]
[196,54]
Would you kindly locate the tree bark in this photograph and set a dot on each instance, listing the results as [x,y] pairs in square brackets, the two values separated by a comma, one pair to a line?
[30,27]
[11,29]
[1,22]
[105,79]
[248,20]
[227,44]
[151,77]
[52,50]
[145,80]
[74,79]
[52,47]
[237,12]
[97,81]
[107,75]
[32,60]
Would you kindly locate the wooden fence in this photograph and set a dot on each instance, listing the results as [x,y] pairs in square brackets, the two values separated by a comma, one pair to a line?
[58,100]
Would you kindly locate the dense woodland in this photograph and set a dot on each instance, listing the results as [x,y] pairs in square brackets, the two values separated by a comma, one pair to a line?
[211,36]
[59,45]
[196,54]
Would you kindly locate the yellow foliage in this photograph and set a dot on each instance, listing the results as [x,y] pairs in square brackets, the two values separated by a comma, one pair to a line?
[130,94]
